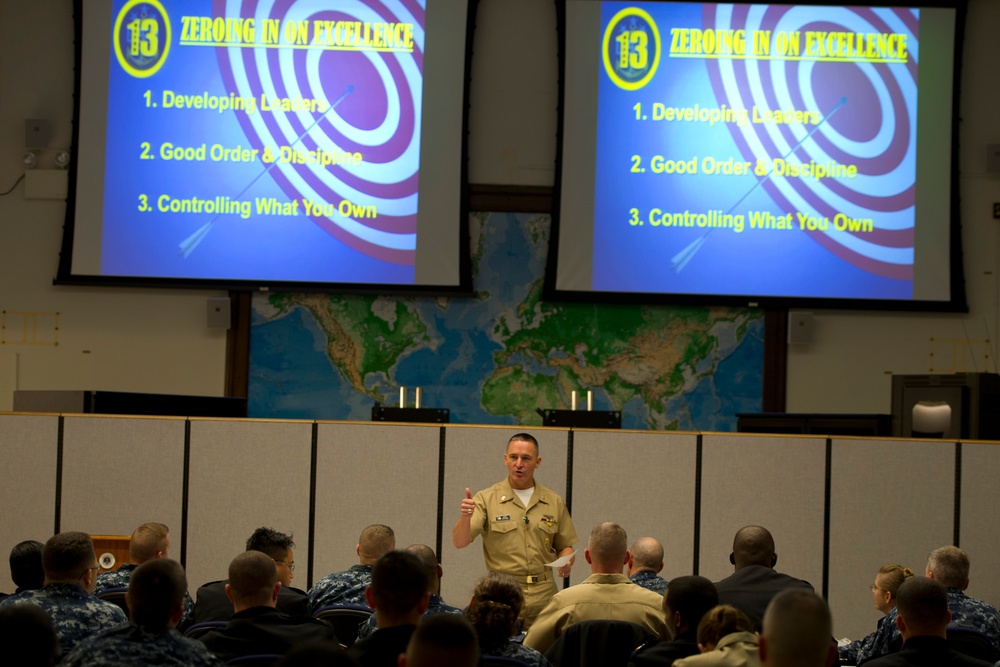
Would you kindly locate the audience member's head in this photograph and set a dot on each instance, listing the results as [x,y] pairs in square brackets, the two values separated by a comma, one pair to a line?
[496,604]
[279,548]
[156,594]
[720,621]
[607,549]
[26,565]
[798,631]
[398,592]
[318,654]
[753,545]
[922,608]
[149,541]
[27,638]
[442,639]
[434,571]
[375,541]
[69,558]
[253,581]
[887,582]
[686,602]
[647,554]
[949,566]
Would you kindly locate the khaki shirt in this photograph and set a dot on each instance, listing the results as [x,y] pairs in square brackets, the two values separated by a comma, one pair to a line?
[519,540]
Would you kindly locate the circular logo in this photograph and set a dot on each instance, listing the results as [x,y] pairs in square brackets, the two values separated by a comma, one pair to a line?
[631,48]
[142,37]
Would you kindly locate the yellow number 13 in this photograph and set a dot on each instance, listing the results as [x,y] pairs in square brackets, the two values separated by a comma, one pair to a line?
[632,47]
[144,44]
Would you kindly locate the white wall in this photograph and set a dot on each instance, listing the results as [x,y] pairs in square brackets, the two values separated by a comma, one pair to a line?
[157,341]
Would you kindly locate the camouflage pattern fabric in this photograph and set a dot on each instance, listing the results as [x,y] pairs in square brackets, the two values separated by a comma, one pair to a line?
[133,645]
[347,587]
[650,580]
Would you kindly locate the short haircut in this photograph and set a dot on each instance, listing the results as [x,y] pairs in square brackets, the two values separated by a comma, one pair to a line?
[496,603]
[753,545]
[691,596]
[608,543]
[950,566]
[270,542]
[923,604]
[26,565]
[147,540]
[798,629]
[399,582]
[252,576]
[647,552]
[443,639]
[721,621]
[376,540]
[429,558]
[67,556]
[155,592]
[893,575]
[27,638]
[524,437]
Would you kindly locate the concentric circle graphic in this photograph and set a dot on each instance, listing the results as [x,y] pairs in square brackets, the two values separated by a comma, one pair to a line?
[868,113]
[373,108]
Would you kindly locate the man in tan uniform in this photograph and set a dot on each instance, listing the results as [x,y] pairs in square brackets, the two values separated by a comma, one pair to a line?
[524,526]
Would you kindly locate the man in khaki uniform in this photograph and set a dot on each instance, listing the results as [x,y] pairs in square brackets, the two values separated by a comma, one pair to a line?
[524,526]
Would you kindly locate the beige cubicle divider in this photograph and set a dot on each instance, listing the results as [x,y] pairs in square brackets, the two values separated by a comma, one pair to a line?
[772,481]
[474,458]
[119,472]
[245,475]
[368,473]
[980,517]
[28,454]
[641,480]
[890,501]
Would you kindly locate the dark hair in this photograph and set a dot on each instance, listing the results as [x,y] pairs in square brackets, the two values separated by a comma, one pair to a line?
[399,580]
[525,437]
[318,654]
[923,603]
[155,591]
[443,639]
[26,565]
[496,604]
[67,556]
[691,596]
[27,636]
[271,542]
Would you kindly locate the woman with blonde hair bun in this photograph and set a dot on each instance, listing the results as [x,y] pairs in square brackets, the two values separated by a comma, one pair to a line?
[887,581]
[496,603]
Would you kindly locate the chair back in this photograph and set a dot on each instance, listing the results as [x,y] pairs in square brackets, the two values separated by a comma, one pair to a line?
[345,619]
[199,629]
[598,644]
[115,596]
[972,643]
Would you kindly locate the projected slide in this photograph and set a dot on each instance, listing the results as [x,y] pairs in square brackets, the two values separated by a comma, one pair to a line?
[758,150]
[270,141]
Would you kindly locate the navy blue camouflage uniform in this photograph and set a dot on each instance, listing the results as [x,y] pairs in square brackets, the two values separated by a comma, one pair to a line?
[347,587]
[133,645]
[436,605]
[75,613]
[650,580]
[119,579]
[528,656]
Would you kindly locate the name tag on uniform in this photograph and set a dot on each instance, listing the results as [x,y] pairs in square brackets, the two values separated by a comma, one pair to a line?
[505,517]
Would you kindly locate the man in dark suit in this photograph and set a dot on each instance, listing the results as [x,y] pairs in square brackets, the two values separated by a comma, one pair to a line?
[753,584]
[685,601]
[922,617]
[212,604]
[256,626]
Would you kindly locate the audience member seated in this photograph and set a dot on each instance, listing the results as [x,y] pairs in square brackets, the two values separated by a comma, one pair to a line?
[398,594]
[348,587]
[726,639]
[213,604]
[436,605]
[71,567]
[26,566]
[444,640]
[496,604]
[685,603]
[156,604]
[646,563]
[922,616]
[754,582]
[798,631]
[256,626]
[950,566]
[606,594]
[318,654]
[26,637]
[148,541]
[887,582]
